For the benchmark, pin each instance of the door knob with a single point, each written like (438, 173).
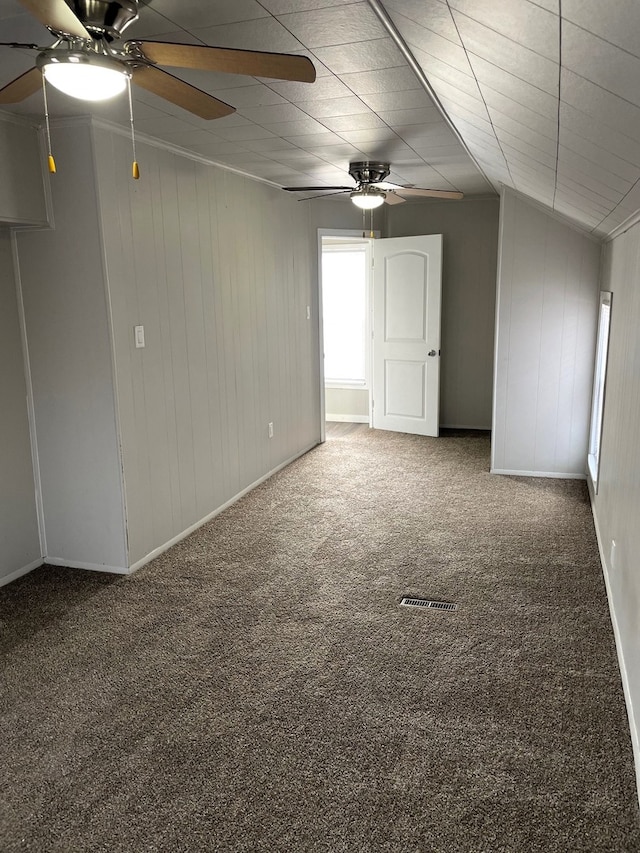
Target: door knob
(432, 353)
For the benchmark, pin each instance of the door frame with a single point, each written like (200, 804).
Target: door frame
(354, 236)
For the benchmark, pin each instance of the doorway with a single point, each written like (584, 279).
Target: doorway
(346, 328)
(380, 354)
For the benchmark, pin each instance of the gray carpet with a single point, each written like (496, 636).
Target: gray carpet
(258, 688)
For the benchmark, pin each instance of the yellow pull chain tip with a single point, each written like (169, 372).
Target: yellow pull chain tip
(52, 164)
(135, 171)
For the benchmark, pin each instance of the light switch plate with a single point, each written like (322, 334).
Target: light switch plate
(138, 332)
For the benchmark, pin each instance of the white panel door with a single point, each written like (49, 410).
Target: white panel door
(407, 283)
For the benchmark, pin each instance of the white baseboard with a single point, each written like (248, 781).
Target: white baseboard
(174, 541)
(466, 426)
(633, 728)
(348, 419)
(90, 567)
(18, 573)
(571, 475)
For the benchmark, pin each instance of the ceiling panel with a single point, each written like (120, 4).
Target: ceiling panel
(591, 175)
(601, 104)
(331, 107)
(618, 22)
(557, 119)
(511, 56)
(203, 13)
(382, 80)
(334, 25)
(514, 86)
(433, 15)
(603, 63)
(601, 134)
(599, 159)
(417, 37)
(361, 56)
(519, 20)
(262, 34)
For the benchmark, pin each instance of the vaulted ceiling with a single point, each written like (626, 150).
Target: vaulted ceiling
(543, 97)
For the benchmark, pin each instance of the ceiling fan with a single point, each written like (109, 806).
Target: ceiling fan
(371, 189)
(88, 61)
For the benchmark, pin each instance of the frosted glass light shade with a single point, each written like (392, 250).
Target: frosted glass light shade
(368, 199)
(85, 78)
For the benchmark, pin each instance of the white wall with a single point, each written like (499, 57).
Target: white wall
(347, 403)
(617, 504)
(69, 348)
(470, 245)
(545, 341)
(19, 539)
(217, 269)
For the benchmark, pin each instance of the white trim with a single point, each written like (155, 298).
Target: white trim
(20, 572)
(90, 567)
(355, 236)
(626, 689)
(31, 412)
(106, 287)
(174, 541)
(120, 130)
(624, 226)
(496, 328)
(346, 385)
(349, 419)
(16, 118)
(559, 475)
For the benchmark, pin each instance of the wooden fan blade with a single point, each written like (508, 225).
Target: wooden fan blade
(56, 16)
(314, 189)
(182, 94)
(392, 198)
(418, 191)
(280, 66)
(20, 88)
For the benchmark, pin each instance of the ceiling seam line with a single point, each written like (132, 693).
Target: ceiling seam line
(390, 27)
(466, 53)
(555, 183)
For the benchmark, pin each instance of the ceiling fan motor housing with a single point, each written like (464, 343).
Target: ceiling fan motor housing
(105, 18)
(366, 172)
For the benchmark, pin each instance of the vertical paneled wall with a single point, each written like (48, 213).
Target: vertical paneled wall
(70, 354)
(19, 539)
(217, 268)
(470, 246)
(545, 340)
(617, 504)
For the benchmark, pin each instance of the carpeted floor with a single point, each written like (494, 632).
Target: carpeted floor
(258, 688)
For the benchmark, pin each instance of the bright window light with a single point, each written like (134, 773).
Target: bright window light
(599, 379)
(344, 312)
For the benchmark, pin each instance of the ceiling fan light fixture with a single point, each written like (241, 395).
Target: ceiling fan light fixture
(368, 198)
(87, 76)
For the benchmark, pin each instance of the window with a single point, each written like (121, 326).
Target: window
(344, 314)
(599, 379)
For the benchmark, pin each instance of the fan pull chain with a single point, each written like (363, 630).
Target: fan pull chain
(371, 223)
(135, 170)
(51, 162)
(364, 223)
